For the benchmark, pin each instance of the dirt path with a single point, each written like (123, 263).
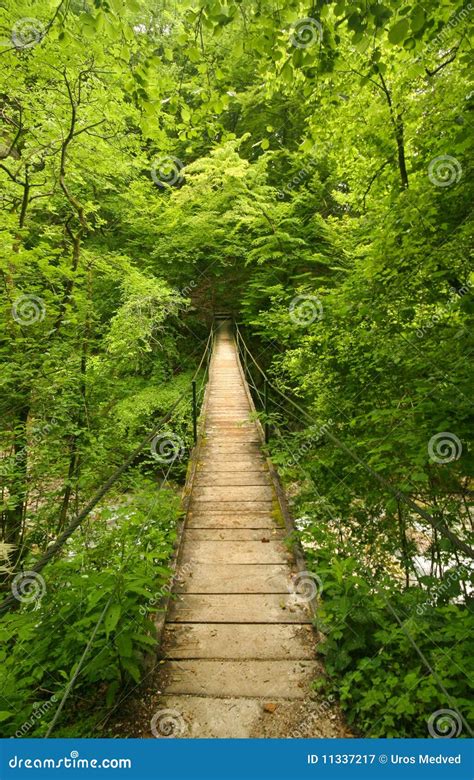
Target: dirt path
(239, 646)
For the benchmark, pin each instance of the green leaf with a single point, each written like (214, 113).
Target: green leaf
(112, 691)
(417, 18)
(111, 618)
(287, 73)
(94, 598)
(124, 645)
(5, 714)
(145, 639)
(132, 668)
(398, 32)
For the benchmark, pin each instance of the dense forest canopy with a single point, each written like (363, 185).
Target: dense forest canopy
(306, 168)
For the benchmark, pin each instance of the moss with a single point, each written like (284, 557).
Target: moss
(277, 513)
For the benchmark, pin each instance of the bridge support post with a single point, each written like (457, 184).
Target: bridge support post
(194, 411)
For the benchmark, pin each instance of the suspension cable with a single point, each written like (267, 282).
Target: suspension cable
(401, 496)
(70, 685)
(438, 525)
(78, 669)
(101, 492)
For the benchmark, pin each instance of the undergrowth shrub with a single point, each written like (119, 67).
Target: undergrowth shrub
(384, 687)
(118, 563)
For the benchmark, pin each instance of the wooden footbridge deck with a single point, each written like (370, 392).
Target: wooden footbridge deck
(237, 643)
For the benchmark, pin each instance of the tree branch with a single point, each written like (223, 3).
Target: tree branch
(443, 64)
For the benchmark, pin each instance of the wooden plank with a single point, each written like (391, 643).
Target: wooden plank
(233, 493)
(234, 578)
(205, 717)
(248, 477)
(231, 641)
(269, 551)
(198, 505)
(237, 608)
(235, 462)
(270, 679)
(226, 519)
(234, 534)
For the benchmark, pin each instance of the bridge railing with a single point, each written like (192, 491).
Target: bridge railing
(272, 394)
(267, 396)
(193, 397)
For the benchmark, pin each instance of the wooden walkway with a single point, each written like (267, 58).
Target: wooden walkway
(238, 644)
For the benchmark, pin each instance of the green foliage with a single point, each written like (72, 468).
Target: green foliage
(160, 163)
(119, 564)
(372, 667)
